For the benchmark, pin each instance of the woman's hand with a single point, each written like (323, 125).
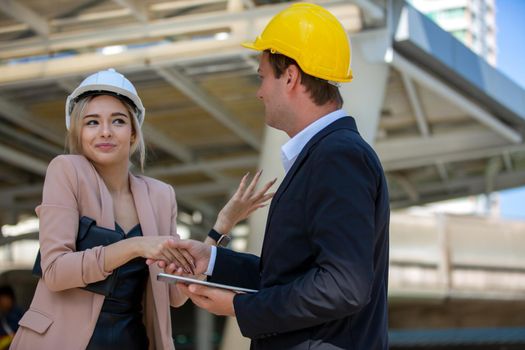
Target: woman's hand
(243, 202)
(160, 248)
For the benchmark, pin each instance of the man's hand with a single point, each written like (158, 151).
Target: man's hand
(200, 253)
(214, 300)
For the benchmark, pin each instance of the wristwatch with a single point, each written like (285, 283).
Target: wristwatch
(222, 240)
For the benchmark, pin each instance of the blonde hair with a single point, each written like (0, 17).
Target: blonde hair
(73, 136)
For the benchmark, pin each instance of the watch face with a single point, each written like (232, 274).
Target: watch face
(224, 241)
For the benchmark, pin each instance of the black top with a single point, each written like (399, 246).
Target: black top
(119, 324)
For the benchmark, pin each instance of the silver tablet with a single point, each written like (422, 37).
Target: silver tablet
(165, 277)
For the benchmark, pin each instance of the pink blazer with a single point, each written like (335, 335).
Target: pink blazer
(62, 316)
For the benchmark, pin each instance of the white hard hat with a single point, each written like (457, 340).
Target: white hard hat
(106, 81)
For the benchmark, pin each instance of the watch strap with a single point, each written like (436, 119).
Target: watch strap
(214, 235)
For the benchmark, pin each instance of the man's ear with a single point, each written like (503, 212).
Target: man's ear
(293, 76)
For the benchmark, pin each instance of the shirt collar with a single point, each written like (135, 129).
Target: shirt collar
(291, 149)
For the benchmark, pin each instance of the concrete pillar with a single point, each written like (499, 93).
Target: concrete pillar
(270, 162)
(204, 329)
(364, 96)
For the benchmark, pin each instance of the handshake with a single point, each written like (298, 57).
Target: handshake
(183, 257)
(192, 257)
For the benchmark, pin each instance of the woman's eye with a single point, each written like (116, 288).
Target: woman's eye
(91, 122)
(119, 121)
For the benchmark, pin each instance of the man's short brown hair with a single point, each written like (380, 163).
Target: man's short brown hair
(321, 91)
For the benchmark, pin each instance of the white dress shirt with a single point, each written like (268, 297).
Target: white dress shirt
(291, 149)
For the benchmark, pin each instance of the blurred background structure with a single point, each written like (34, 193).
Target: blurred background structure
(445, 121)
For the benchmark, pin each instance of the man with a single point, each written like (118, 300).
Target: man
(322, 275)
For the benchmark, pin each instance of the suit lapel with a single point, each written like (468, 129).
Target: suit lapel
(343, 123)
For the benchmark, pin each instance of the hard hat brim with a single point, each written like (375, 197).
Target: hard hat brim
(251, 45)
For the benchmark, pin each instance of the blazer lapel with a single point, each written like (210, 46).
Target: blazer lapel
(149, 227)
(143, 206)
(106, 217)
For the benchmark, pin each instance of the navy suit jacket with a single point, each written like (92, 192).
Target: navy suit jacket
(323, 270)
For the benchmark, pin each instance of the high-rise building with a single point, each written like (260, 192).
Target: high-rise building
(471, 21)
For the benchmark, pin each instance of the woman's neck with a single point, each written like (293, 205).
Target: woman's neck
(115, 177)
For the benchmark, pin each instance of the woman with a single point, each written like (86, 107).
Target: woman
(104, 117)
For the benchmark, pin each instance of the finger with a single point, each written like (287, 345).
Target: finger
(183, 288)
(242, 185)
(188, 261)
(165, 255)
(170, 268)
(176, 256)
(180, 244)
(200, 291)
(188, 258)
(264, 199)
(200, 301)
(265, 189)
(251, 187)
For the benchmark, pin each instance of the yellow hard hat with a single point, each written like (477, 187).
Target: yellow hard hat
(313, 37)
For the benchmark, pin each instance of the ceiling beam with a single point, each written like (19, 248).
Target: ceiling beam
(228, 163)
(181, 4)
(68, 84)
(138, 8)
(442, 171)
(492, 169)
(473, 185)
(25, 15)
(25, 190)
(179, 151)
(507, 161)
(400, 153)
(459, 156)
(30, 140)
(434, 84)
(19, 116)
(204, 189)
(406, 185)
(415, 103)
(177, 53)
(255, 19)
(209, 104)
(167, 144)
(22, 160)
(27, 74)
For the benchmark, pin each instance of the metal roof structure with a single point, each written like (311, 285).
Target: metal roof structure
(450, 125)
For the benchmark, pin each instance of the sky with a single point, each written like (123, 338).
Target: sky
(510, 22)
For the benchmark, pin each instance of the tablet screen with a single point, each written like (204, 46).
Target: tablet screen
(165, 277)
